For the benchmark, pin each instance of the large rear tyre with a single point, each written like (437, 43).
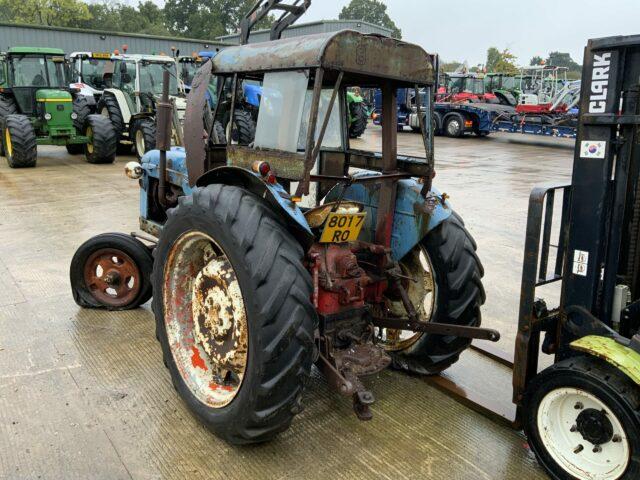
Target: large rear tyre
(20, 143)
(111, 271)
(108, 107)
(144, 136)
(232, 302)
(449, 290)
(103, 140)
(582, 420)
(243, 130)
(358, 114)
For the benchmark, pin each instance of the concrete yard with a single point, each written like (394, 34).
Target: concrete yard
(84, 393)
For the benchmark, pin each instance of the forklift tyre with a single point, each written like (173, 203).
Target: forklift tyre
(454, 125)
(457, 275)
(7, 107)
(143, 135)
(108, 107)
(82, 109)
(112, 271)
(74, 148)
(19, 141)
(103, 140)
(218, 225)
(582, 415)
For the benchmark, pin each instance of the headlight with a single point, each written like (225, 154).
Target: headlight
(74, 115)
(47, 116)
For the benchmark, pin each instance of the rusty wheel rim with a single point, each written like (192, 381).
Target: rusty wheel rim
(112, 277)
(423, 293)
(205, 319)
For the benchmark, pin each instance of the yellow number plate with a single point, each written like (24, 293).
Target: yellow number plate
(100, 55)
(342, 227)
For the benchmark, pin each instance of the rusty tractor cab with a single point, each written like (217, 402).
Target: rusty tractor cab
(296, 249)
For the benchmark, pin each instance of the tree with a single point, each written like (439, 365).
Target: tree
(560, 59)
(61, 13)
(501, 61)
(537, 60)
(372, 11)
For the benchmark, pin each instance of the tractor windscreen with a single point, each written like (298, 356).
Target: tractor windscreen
(92, 71)
(151, 77)
(188, 69)
(39, 71)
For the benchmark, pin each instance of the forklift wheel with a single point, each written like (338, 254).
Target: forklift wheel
(111, 271)
(582, 420)
(233, 312)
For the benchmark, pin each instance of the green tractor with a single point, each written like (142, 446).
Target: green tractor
(37, 107)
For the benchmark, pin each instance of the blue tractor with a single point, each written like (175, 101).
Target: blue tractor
(273, 256)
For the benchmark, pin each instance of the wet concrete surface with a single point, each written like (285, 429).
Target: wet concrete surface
(84, 393)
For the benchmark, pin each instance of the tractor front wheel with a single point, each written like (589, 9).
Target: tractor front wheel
(243, 129)
(19, 141)
(234, 317)
(582, 420)
(358, 117)
(111, 271)
(447, 289)
(144, 136)
(103, 140)
(82, 109)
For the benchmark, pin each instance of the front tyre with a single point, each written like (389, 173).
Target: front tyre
(144, 136)
(102, 140)
(448, 290)
(233, 313)
(20, 142)
(582, 420)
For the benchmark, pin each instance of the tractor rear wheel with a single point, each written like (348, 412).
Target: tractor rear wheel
(143, 134)
(234, 316)
(243, 130)
(82, 109)
(111, 271)
(582, 420)
(358, 114)
(19, 139)
(449, 290)
(103, 140)
(108, 107)
(7, 107)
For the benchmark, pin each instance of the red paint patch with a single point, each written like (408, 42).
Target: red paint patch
(196, 359)
(214, 386)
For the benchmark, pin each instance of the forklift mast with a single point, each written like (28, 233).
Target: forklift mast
(290, 13)
(604, 221)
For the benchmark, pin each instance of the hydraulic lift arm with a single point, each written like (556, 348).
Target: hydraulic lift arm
(290, 13)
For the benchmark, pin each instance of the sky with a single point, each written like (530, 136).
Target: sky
(464, 29)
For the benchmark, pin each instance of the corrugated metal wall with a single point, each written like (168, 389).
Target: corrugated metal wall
(71, 40)
(323, 26)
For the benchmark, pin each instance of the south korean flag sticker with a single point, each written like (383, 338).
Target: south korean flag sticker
(592, 149)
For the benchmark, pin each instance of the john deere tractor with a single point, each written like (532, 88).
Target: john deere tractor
(37, 107)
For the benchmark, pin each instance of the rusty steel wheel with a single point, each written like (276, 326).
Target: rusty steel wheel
(233, 312)
(112, 271)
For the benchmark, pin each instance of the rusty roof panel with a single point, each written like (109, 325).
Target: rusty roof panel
(369, 55)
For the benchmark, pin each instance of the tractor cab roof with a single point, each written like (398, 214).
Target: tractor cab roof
(35, 51)
(140, 57)
(364, 59)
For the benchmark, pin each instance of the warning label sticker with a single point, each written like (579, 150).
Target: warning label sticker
(580, 262)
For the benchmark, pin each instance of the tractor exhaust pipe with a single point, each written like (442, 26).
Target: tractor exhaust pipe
(163, 138)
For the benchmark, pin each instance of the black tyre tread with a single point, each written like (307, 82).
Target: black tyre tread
(596, 370)
(23, 141)
(115, 115)
(280, 303)
(82, 109)
(105, 140)
(148, 127)
(460, 293)
(219, 129)
(134, 248)
(246, 126)
(7, 107)
(359, 124)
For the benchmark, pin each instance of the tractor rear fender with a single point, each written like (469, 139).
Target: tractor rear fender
(275, 195)
(415, 215)
(608, 349)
